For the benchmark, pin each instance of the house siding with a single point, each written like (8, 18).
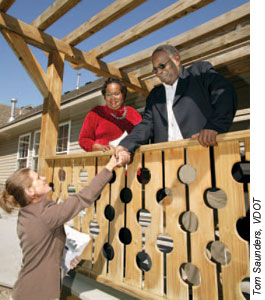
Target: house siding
(8, 149)
(75, 131)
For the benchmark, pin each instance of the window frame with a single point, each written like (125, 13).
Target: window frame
(28, 156)
(68, 138)
(34, 156)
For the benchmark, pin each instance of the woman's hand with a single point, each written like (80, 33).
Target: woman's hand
(104, 148)
(125, 153)
(117, 162)
(74, 262)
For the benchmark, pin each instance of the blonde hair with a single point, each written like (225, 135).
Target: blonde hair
(13, 195)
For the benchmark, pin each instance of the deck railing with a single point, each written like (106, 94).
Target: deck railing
(165, 227)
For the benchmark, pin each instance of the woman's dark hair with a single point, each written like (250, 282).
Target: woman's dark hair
(14, 193)
(119, 82)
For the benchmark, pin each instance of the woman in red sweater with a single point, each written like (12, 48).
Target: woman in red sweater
(105, 125)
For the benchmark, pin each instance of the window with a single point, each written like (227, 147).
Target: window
(23, 151)
(62, 143)
(35, 154)
(63, 138)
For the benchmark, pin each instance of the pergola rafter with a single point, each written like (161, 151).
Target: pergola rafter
(53, 13)
(6, 4)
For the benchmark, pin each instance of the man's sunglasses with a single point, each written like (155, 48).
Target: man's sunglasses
(160, 66)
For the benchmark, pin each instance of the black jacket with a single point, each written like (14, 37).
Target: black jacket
(204, 99)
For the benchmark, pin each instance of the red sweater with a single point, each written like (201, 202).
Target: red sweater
(100, 127)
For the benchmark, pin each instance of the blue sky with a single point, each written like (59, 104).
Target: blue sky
(15, 82)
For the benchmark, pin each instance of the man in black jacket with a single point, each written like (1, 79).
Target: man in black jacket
(193, 102)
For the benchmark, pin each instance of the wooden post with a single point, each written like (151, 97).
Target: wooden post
(51, 110)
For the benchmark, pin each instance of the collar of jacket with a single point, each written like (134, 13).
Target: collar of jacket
(182, 85)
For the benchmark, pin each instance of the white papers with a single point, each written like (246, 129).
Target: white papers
(118, 140)
(74, 246)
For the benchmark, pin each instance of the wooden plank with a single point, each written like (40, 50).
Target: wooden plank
(227, 40)
(226, 155)
(108, 15)
(229, 136)
(28, 60)
(198, 157)
(51, 109)
(116, 265)
(121, 286)
(197, 52)
(176, 288)
(197, 34)
(218, 60)
(90, 166)
(54, 12)
(166, 16)
(133, 275)
(39, 39)
(153, 279)
(100, 262)
(6, 4)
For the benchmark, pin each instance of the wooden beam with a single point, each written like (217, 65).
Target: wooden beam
(219, 43)
(215, 26)
(111, 13)
(44, 41)
(218, 61)
(51, 110)
(6, 4)
(160, 19)
(28, 60)
(53, 13)
(194, 53)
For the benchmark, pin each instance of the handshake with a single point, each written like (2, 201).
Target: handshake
(120, 158)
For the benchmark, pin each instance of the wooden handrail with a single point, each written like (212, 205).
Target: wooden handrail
(237, 135)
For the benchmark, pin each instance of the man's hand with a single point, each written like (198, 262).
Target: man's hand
(126, 154)
(117, 162)
(206, 137)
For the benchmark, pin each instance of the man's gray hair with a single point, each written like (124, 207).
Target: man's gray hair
(169, 49)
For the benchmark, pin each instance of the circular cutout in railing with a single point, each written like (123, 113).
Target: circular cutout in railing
(71, 189)
(165, 243)
(94, 228)
(51, 185)
(187, 174)
(143, 175)
(190, 274)
(143, 261)
(241, 172)
(61, 175)
(126, 195)
(108, 251)
(218, 253)
(109, 213)
(189, 221)
(245, 288)
(243, 227)
(125, 236)
(83, 175)
(113, 178)
(144, 217)
(164, 196)
(215, 198)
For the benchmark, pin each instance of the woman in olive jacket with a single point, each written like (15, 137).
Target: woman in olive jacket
(40, 228)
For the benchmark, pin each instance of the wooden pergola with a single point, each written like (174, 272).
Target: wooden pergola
(224, 41)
